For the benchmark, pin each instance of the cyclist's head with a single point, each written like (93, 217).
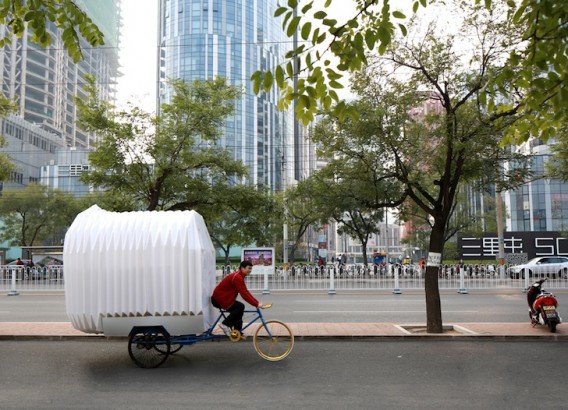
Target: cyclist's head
(244, 264)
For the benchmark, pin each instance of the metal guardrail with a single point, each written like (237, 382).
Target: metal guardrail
(14, 278)
(332, 278)
(328, 278)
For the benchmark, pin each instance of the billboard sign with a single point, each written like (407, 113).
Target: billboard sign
(262, 259)
(532, 243)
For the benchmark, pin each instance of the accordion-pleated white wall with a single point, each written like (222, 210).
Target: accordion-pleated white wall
(138, 264)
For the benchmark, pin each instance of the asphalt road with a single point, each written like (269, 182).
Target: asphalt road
(323, 374)
(314, 307)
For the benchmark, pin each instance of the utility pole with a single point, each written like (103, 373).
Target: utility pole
(285, 231)
(284, 173)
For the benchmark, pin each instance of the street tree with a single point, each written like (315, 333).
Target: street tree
(419, 102)
(36, 215)
(464, 219)
(170, 161)
(351, 189)
(557, 167)
(300, 216)
(330, 50)
(242, 216)
(17, 16)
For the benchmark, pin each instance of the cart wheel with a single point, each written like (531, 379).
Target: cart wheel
(174, 348)
(149, 348)
(274, 341)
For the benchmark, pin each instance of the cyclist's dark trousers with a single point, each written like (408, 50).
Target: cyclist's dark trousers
(235, 318)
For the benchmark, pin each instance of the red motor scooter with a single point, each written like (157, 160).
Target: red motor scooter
(542, 306)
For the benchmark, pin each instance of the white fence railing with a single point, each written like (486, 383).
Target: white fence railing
(333, 278)
(329, 278)
(14, 278)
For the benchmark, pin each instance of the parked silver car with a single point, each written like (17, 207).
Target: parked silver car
(550, 266)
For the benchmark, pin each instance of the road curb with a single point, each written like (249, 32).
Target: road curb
(422, 337)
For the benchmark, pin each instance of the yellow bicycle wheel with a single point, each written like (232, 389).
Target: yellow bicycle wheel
(274, 341)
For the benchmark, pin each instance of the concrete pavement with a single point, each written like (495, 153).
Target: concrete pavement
(523, 330)
(456, 331)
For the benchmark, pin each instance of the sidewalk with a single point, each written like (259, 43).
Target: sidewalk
(455, 331)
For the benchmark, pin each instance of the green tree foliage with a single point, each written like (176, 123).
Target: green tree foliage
(557, 167)
(242, 216)
(418, 110)
(299, 216)
(352, 189)
(74, 23)
(36, 215)
(539, 66)
(165, 162)
(329, 50)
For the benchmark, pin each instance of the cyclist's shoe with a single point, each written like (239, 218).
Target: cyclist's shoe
(243, 337)
(226, 329)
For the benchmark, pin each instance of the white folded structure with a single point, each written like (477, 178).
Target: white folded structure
(135, 268)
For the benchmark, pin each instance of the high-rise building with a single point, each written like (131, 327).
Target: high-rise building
(542, 204)
(202, 39)
(43, 82)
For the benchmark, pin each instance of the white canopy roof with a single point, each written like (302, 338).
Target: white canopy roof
(137, 264)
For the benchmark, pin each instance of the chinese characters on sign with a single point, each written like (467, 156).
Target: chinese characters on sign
(532, 243)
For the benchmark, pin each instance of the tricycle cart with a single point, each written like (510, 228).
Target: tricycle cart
(149, 276)
(150, 346)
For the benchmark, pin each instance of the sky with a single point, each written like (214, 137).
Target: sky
(138, 53)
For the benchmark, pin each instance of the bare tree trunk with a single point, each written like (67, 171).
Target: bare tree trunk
(433, 303)
(227, 259)
(365, 257)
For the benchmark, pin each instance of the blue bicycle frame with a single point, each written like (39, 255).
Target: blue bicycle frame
(209, 335)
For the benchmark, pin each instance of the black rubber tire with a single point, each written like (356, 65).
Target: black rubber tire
(174, 348)
(143, 350)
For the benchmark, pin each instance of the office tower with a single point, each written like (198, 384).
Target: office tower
(202, 39)
(44, 82)
(541, 204)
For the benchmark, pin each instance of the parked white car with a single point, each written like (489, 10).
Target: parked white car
(550, 266)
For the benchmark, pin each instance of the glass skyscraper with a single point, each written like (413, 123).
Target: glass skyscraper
(202, 39)
(44, 81)
(540, 205)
